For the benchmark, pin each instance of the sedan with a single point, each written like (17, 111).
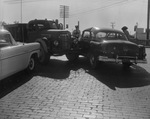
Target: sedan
(110, 45)
(15, 56)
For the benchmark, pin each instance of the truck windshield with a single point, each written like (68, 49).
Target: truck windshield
(46, 25)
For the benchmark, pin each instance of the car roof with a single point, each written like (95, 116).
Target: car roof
(97, 29)
(92, 29)
(4, 31)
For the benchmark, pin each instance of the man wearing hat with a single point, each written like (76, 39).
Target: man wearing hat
(76, 33)
(124, 29)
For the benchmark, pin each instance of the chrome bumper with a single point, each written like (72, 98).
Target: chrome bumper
(119, 60)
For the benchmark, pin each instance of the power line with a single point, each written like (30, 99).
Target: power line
(102, 2)
(24, 1)
(109, 2)
(95, 3)
(102, 8)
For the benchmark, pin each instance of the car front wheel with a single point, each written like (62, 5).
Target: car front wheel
(31, 65)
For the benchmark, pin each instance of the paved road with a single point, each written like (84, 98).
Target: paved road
(62, 90)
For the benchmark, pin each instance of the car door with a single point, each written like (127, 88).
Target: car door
(14, 59)
(85, 41)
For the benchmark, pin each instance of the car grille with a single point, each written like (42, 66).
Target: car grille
(65, 41)
(60, 43)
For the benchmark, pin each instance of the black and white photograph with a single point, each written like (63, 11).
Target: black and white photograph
(74, 59)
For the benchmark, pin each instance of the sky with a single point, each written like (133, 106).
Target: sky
(100, 13)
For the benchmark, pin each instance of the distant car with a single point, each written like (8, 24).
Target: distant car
(110, 45)
(15, 56)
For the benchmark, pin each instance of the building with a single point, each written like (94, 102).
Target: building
(141, 36)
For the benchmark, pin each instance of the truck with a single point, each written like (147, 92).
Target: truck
(53, 39)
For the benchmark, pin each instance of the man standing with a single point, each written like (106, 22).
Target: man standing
(76, 33)
(124, 29)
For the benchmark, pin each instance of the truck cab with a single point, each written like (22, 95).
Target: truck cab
(35, 27)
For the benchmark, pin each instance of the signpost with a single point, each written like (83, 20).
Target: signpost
(64, 13)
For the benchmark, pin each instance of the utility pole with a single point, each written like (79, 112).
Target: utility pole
(21, 11)
(112, 25)
(148, 14)
(22, 30)
(79, 24)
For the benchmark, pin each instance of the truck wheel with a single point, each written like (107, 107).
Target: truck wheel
(93, 61)
(44, 56)
(72, 56)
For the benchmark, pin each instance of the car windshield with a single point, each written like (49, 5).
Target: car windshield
(110, 36)
(5, 38)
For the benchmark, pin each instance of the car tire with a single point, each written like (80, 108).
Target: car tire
(93, 61)
(31, 65)
(44, 56)
(72, 57)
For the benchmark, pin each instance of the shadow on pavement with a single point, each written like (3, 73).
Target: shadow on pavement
(115, 75)
(112, 75)
(60, 70)
(56, 69)
(11, 83)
